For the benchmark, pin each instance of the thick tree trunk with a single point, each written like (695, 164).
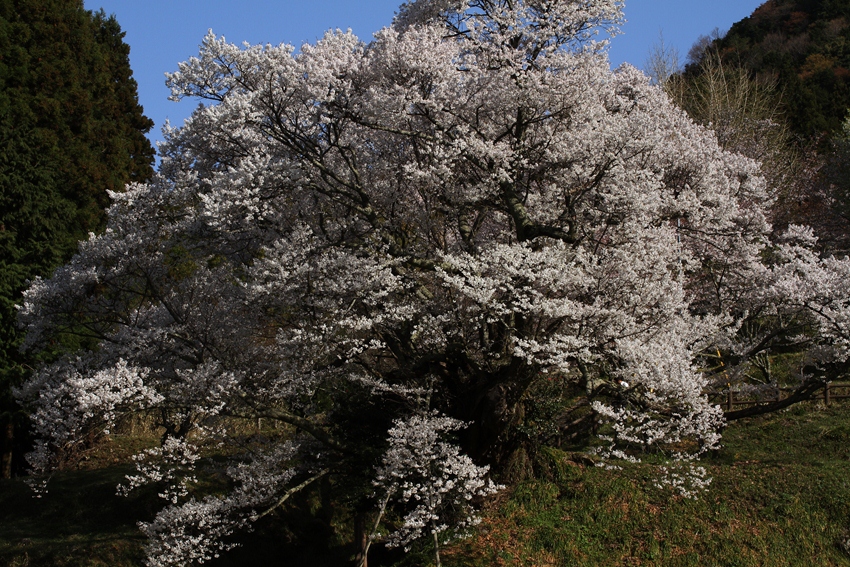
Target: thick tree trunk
(326, 511)
(495, 408)
(492, 412)
(487, 414)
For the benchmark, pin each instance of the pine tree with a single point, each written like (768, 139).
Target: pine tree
(71, 128)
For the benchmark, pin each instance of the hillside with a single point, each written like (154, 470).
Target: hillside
(805, 44)
(779, 497)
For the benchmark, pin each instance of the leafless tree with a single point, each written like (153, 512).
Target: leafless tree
(662, 62)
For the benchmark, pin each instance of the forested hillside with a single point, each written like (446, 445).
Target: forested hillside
(776, 88)
(805, 44)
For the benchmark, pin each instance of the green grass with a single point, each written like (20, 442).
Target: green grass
(780, 497)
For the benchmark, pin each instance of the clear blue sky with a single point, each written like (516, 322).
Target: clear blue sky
(162, 33)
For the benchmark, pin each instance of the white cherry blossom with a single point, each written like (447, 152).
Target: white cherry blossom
(372, 243)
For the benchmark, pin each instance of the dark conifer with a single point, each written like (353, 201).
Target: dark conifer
(71, 128)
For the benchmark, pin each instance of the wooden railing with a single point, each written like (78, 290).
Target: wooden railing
(831, 391)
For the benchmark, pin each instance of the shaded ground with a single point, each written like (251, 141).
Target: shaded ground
(780, 497)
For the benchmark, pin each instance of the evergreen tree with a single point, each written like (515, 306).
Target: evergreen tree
(71, 128)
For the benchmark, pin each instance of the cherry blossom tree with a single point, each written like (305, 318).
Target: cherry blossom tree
(385, 247)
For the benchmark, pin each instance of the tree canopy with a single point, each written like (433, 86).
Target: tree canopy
(71, 129)
(395, 250)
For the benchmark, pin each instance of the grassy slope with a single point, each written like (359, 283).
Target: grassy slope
(780, 497)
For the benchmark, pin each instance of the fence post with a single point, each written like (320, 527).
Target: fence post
(826, 394)
(729, 399)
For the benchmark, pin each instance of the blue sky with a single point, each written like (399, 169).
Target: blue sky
(162, 33)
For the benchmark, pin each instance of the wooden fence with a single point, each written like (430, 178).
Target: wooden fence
(831, 391)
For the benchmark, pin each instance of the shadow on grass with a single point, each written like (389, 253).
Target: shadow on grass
(780, 498)
(80, 521)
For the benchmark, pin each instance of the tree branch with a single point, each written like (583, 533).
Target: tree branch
(293, 490)
(801, 394)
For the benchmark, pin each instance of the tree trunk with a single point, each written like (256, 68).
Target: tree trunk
(492, 412)
(361, 537)
(7, 445)
(326, 511)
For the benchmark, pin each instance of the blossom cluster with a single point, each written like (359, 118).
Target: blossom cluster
(430, 477)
